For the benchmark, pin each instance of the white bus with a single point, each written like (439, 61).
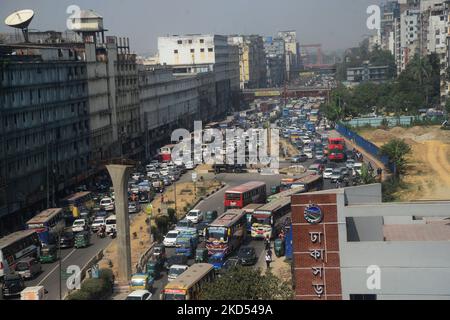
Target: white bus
(15, 246)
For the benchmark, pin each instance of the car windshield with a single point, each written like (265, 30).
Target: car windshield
(22, 266)
(233, 196)
(336, 171)
(171, 235)
(193, 214)
(12, 282)
(78, 223)
(111, 221)
(137, 282)
(184, 224)
(133, 298)
(98, 221)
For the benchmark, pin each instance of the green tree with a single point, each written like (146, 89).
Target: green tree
(366, 175)
(396, 150)
(247, 284)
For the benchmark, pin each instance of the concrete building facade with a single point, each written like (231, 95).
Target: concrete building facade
(349, 245)
(291, 51)
(194, 54)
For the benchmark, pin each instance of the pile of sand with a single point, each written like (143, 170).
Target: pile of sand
(380, 136)
(397, 131)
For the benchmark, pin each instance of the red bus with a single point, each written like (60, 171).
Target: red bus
(165, 153)
(336, 149)
(240, 196)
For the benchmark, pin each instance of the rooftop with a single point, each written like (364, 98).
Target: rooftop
(430, 231)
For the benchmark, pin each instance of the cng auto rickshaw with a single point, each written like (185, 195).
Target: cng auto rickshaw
(154, 268)
(279, 247)
(82, 239)
(201, 255)
(49, 254)
(141, 281)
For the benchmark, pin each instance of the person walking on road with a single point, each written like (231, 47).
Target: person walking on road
(268, 259)
(267, 243)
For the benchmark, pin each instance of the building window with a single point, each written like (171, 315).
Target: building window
(202, 41)
(175, 51)
(190, 41)
(179, 42)
(210, 49)
(202, 50)
(192, 50)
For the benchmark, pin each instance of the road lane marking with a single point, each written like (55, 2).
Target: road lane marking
(56, 267)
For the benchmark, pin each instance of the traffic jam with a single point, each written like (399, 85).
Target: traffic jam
(203, 244)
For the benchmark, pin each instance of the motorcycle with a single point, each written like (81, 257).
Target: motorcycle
(101, 233)
(113, 233)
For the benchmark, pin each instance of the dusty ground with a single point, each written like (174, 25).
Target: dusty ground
(140, 235)
(290, 149)
(428, 174)
(281, 268)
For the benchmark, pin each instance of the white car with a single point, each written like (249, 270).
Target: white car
(139, 295)
(189, 165)
(98, 223)
(327, 173)
(107, 204)
(171, 238)
(175, 271)
(135, 176)
(350, 163)
(195, 216)
(110, 223)
(79, 225)
(309, 154)
(357, 167)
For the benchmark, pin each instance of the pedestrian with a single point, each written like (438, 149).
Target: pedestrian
(267, 243)
(268, 259)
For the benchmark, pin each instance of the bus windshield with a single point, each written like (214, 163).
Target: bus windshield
(219, 233)
(233, 196)
(174, 296)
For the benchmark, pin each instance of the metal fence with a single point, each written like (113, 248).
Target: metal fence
(365, 145)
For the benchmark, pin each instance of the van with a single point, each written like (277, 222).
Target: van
(110, 223)
(107, 204)
(28, 268)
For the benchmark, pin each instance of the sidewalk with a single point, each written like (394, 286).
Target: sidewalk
(367, 156)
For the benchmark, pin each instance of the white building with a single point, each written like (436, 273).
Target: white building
(194, 54)
(291, 50)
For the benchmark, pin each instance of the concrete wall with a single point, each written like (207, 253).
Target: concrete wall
(409, 270)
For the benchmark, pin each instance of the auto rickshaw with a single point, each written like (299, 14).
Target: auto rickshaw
(279, 247)
(201, 255)
(82, 239)
(49, 254)
(159, 252)
(154, 268)
(141, 281)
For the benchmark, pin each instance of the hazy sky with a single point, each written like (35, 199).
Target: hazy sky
(337, 24)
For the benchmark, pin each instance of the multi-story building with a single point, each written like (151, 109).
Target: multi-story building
(390, 11)
(368, 73)
(167, 102)
(193, 54)
(275, 61)
(252, 60)
(291, 51)
(45, 126)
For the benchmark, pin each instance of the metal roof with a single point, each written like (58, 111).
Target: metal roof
(13, 237)
(190, 276)
(228, 218)
(44, 216)
(246, 186)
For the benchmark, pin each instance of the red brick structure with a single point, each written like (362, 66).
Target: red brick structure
(316, 260)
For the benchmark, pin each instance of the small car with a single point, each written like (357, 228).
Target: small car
(328, 173)
(175, 270)
(67, 240)
(13, 285)
(134, 207)
(139, 295)
(79, 225)
(171, 238)
(98, 223)
(247, 256)
(28, 268)
(195, 216)
(179, 259)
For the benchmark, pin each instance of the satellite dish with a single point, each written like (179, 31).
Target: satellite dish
(20, 20)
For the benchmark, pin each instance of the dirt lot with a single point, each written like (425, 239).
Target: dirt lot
(428, 174)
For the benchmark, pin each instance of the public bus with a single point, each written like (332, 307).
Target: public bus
(240, 196)
(336, 149)
(312, 182)
(165, 153)
(189, 284)
(47, 222)
(286, 183)
(227, 232)
(286, 193)
(73, 204)
(248, 210)
(15, 246)
(266, 218)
